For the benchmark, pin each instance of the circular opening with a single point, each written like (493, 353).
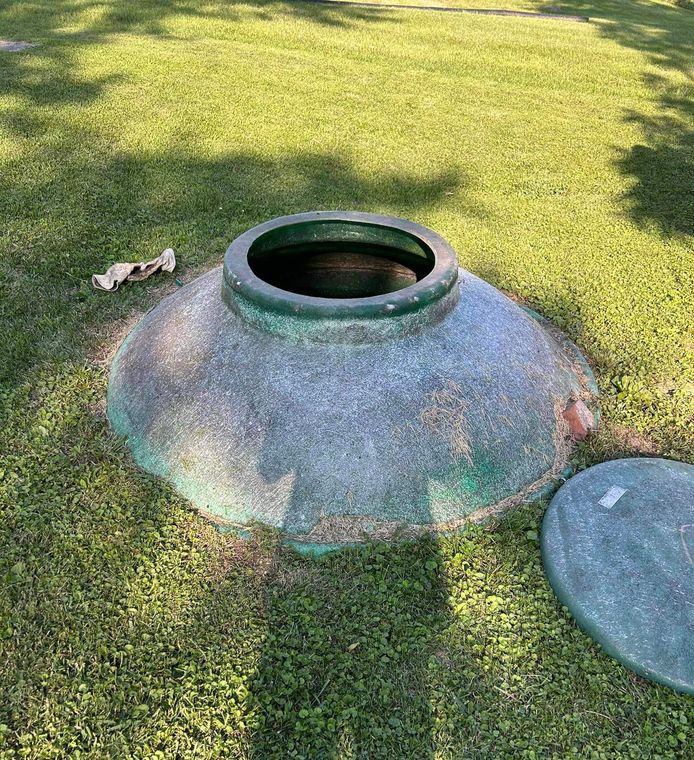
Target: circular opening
(339, 259)
(338, 265)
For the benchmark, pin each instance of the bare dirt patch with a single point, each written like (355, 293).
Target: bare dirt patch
(15, 46)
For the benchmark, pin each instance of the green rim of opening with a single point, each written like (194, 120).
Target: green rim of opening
(341, 226)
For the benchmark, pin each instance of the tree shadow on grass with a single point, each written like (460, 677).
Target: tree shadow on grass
(81, 214)
(663, 168)
(347, 662)
(152, 17)
(85, 209)
(662, 192)
(131, 628)
(150, 624)
(49, 74)
(112, 533)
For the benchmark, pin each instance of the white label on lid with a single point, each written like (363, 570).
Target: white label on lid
(612, 496)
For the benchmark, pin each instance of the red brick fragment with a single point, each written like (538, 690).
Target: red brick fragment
(580, 419)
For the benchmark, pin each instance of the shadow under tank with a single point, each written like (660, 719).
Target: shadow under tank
(341, 379)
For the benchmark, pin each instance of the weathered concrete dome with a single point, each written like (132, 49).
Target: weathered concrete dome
(340, 378)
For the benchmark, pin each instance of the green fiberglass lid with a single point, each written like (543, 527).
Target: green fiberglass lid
(618, 549)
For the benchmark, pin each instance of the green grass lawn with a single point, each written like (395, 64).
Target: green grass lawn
(557, 158)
